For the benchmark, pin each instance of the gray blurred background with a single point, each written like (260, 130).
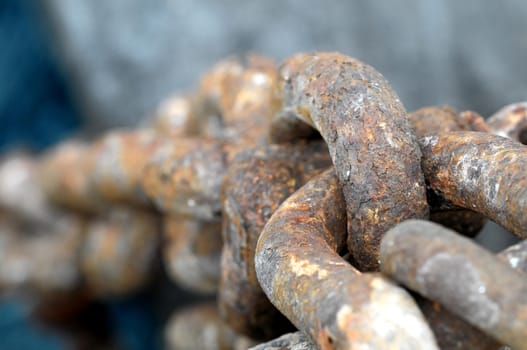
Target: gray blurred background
(70, 66)
(123, 56)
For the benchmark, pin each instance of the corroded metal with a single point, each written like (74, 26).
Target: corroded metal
(200, 327)
(20, 193)
(452, 333)
(429, 121)
(299, 269)
(185, 177)
(191, 253)
(117, 161)
(289, 341)
(242, 91)
(186, 115)
(119, 251)
(375, 153)
(40, 259)
(481, 172)
(468, 280)
(65, 177)
(510, 121)
(258, 181)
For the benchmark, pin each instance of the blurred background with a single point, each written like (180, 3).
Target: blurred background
(81, 66)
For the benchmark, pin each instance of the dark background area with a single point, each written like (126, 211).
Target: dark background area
(80, 66)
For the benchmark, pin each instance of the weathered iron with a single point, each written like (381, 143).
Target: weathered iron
(200, 327)
(119, 250)
(481, 172)
(370, 140)
(289, 341)
(191, 252)
(430, 121)
(184, 177)
(300, 270)
(65, 178)
(257, 182)
(465, 278)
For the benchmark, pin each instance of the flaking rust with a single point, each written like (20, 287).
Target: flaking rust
(300, 270)
(465, 278)
(481, 172)
(175, 117)
(258, 181)
(374, 150)
(430, 121)
(191, 253)
(510, 121)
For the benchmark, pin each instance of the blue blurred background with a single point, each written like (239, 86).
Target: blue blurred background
(80, 66)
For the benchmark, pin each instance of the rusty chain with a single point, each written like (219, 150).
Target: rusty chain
(312, 185)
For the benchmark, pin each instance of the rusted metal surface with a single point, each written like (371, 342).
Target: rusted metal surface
(186, 115)
(185, 177)
(481, 172)
(200, 327)
(429, 121)
(191, 252)
(242, 90)
(434, 120)
(299, 269)
(117, 163)
(40, 259)
(375, 153)
(510, 121)
(258, 181)
(290, 341)
(118, 253)
(175, 117)
(65, 177)
(465, 278)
